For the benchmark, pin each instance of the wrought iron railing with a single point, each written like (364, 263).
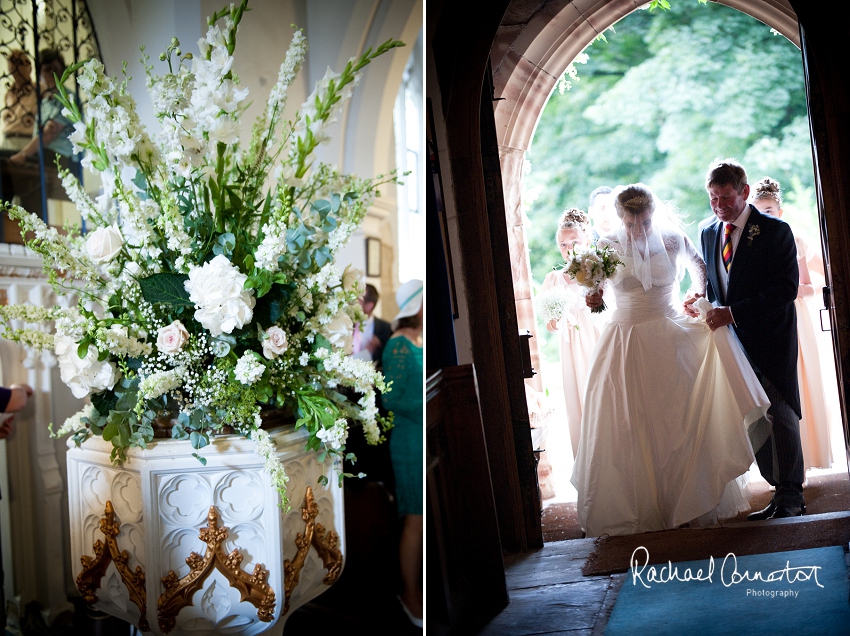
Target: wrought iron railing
(33, 34)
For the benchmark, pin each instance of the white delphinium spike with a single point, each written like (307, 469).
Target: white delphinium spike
(289, 69)
(87, 208)
(54, 247)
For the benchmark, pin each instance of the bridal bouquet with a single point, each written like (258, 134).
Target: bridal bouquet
(555, 303)
(591, 267)
(205, 292)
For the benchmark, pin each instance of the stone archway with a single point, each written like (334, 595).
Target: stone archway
(533, 46)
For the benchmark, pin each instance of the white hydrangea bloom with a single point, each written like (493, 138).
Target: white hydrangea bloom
(217, 289)
(83, 376)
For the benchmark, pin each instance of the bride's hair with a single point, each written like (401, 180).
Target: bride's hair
(572, 219)
(768, 188)
(633, 199)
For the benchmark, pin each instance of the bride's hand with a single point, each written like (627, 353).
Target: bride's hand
(552, 325)
(688, 307)
(594, 300)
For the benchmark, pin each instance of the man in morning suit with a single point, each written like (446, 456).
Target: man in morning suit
(751, 263)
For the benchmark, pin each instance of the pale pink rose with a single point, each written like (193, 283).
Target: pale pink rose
(274, 343)
(170, 339)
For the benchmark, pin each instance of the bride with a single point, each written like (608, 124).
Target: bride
(668, 401)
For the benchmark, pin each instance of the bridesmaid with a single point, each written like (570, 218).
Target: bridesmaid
(578, 330)
(814, 427)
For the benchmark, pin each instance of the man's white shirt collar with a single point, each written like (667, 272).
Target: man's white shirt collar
(741, 221)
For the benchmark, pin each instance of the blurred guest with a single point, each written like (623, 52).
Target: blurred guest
(12, 400)
(402, 360)
(55, 130)
(603, 216)
(371, 336)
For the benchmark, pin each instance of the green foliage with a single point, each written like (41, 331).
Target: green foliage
(662, 97)
(166, 288)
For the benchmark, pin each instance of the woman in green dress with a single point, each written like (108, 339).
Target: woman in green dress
(402, 364)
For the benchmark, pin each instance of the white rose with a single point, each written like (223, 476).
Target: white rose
(83, 376)
(222, 304)
(170, 339)
(351, 277)
(274, 343)
(104, 244)
(132, 268)
(340, 332)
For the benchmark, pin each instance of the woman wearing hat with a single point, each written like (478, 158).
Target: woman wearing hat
(402, 363)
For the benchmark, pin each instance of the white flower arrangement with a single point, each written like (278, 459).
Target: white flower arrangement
(591, 267)
(206, 284)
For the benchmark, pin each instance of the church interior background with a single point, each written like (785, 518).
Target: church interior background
(380, 130)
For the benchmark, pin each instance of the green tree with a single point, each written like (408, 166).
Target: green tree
(660, 97)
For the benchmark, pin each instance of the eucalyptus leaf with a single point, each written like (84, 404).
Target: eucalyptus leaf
(110, 431)
(199, 440)
(321, 256)
(322, 207)
(141, 183)
(178, 432)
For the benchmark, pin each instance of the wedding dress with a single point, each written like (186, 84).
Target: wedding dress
(667, 405)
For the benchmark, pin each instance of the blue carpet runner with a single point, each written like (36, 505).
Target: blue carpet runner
(798, 593)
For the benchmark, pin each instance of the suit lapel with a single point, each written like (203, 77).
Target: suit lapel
(744, 252)
(713, 245)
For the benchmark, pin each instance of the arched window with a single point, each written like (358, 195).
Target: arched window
(410, 156)
(38, 39)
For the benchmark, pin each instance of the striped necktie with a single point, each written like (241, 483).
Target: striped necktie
(727, 246)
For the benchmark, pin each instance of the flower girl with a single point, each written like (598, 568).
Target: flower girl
(563, 307)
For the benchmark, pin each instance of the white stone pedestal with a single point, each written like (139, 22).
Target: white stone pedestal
(134, 528)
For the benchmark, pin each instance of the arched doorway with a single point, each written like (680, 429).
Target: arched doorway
(527, 60)
(531, 50)
(457, 59)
